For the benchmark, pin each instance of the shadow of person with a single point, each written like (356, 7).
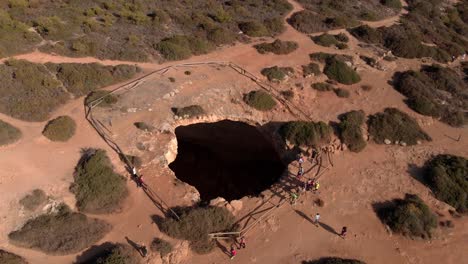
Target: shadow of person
(223, 248)
(328, 228)
(304, 216)
(134, 245)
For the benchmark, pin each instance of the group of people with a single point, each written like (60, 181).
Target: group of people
(309, 184)
(233, 250)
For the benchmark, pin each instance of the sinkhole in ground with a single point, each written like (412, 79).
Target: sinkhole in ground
(225, 159)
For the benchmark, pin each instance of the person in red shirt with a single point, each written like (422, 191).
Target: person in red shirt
(233, 252)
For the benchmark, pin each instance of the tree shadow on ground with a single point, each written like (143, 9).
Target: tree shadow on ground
(94, 252)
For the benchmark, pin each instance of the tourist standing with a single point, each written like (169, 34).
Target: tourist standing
(242, 242)
(233, 252)
(317, 219)
(344, 230)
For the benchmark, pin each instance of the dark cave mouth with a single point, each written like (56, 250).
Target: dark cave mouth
(226, 159)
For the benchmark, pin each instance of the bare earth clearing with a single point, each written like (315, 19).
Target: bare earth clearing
(376, 174)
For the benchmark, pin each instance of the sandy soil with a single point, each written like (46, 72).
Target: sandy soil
(355, 182)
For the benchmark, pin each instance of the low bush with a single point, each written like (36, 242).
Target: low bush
(302, 133)
(342, 93)
(221, 36)
(276, 73)
(333, 260)
(108, 99)
(341, 46)
(97, 188)
(196, 223)
(308, 22)
(61, 128)
(328, 40)
(277, 47)
(366, 87)
(117, 254)
(181, 47)
(260, 100)
(10, 258)
(337, 70)
(161, 246)
(368, 60)
(80, 79)
(446, 176)
(350, 130)
(435, 91)
(288, 94)
(395, 125)
(392, 3)
(28, 91)
(342, 37)
(144, 126)
(254, 29)
(409, 216)
(33, 200)
(8, 133)
(323, 87)
(188, 111)
(16, 36)
(311, 69)
(61, 233)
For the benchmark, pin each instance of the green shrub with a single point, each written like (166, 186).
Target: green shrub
(350, 130)
(254, 29)
(368, 60)
(61, 128)
(260, 100)
(8, 133)
(274, 25)
(392, 3)
(188, 111)
(80, 79)
(33, 200)
(446, 176)
(28, 91)
(288, 94)
(367, 34)
(117, 254)
(97, 188)
(221, 36)
(182, 47)
(161, 246)
(410, 217)
(325, 40)
(311, 69)
(341, 46)
(337, 70)
(342, 93)
(108, 99)
(306, 133)
(333, 260)
(276, 73)
(323, 87)
(10, 258)
(395, 125)
(144, 126)
(16, 37)
(61, 233)
(196, 223)
(342, 37)
(278, 47)
(52, 28)
(307, 22)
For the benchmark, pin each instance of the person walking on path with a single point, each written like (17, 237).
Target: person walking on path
(242, 242)
(233, 252)
(344, 230)
(294, 197)
(317, 219)
(316, 186)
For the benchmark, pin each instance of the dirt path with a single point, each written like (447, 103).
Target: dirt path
(378, 173)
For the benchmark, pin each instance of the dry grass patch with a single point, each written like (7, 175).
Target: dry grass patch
(61, 233)
(61, 128)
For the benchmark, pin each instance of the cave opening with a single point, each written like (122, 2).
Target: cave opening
(226, 159)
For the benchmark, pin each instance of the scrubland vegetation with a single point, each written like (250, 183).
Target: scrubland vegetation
(196, 223)
(333, 260)
(277, 47)
(311, 69)
(97, 188)
(394, 125)
(322, 87)
(336, 69)
(32, 91)
(161, 246)
(8, 133)
(260, 100)
(306, 133)
(61, 128)
(135, 31)
(409, 216)
(116, 254)
(10, 258)
(60, 233)
(446, 176)
(33, 200)
(275, 73)
(188, 111)
(350, 130)
(328, 40)
(436, 91)
(108, 99)
(430, 22)
(327, 15)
